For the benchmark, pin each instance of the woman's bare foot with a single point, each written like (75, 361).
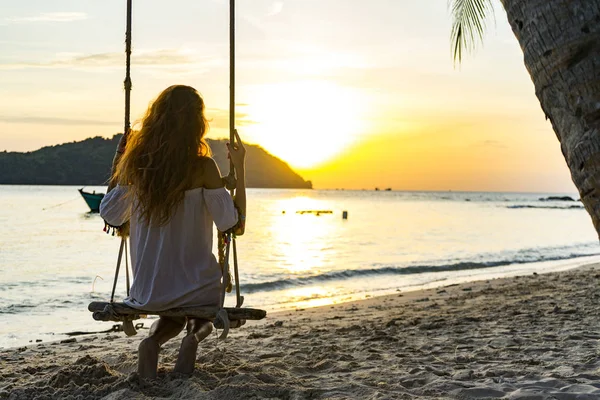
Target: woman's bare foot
(186, 360)
(148, 358)
(161, 331)
(197, 330)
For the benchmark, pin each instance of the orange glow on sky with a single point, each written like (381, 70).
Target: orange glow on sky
(350, 94)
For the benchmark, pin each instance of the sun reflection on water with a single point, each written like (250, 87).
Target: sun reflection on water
(305, 242)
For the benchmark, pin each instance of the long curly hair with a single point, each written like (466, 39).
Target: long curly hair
(160, 157)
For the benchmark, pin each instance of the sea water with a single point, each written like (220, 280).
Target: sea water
(55, 258)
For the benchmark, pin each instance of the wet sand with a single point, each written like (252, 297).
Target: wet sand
(529, 338)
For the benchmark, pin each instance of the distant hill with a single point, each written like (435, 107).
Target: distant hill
(88, 163)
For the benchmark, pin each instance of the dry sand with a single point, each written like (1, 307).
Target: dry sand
(532, 337)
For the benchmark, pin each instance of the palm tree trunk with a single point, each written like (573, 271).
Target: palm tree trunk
(561, 44)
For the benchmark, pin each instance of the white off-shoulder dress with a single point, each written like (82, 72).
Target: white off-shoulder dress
(173, 265)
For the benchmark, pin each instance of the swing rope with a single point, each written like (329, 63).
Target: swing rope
(239, 298)
(119, 258)
(127, 82)
(127, 320)
(127, 268)
(127, 126)
(228, 238)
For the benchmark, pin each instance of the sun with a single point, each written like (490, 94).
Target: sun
(305, 123)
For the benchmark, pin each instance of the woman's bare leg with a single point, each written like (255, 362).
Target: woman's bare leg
(161, 331)
(197, 330)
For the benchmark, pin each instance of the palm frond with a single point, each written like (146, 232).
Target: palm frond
(469, 19)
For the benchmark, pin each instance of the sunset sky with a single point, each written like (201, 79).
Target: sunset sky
(351, 93)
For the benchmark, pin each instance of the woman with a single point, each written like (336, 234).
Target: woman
(171, 191)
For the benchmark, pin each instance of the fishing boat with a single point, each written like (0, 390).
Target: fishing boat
(92, 199)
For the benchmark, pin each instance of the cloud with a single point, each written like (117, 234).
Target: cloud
(164, 58)
(53, 121)
(49, 17)
(157, 57)
(219, 118)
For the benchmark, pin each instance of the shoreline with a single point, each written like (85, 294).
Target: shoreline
(442, 279)
(430, 282)
(525, 337)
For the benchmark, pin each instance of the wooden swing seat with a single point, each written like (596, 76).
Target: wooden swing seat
(120, 310)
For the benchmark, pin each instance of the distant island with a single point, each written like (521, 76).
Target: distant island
(88, 163)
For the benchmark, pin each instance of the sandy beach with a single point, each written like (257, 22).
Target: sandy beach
(531, 337)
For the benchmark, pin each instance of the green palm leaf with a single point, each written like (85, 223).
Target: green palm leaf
(468, 24)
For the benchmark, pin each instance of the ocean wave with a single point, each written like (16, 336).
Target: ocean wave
(16, 308)
(557, 198)
(520, 257)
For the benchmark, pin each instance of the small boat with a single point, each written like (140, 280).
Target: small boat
(92, 199)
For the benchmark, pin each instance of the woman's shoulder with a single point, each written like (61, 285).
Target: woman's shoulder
(206, 174)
